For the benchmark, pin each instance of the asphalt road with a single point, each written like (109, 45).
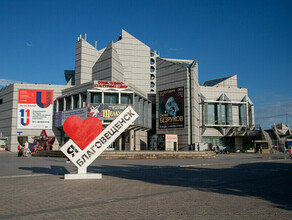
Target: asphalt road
(234, 186)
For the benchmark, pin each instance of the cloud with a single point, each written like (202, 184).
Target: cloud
(277, 112)
(175, 49)
(28, 44)
(6, 82)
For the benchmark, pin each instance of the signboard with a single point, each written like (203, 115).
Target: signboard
(105, 111)
(171, 142)
(83, 156)
(171, 108)
(35, 109)
(110, 84)
(60, 117)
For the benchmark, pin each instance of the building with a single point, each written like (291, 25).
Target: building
(164, 92)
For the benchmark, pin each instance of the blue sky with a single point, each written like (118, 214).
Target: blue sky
(250, 38)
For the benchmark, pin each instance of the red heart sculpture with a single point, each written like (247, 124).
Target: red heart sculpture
(82, 132)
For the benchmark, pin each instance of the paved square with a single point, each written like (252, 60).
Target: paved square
(235, 186)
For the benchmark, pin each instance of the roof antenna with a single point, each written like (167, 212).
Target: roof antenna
(95, 44)
(85, 35)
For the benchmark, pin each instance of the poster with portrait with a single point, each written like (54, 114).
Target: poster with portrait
(171, 108)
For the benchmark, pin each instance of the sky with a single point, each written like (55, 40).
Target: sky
(249, 38)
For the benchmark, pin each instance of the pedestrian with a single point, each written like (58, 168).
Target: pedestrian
(198, 147)
(290, 152)
(261, 149)
(26, 149)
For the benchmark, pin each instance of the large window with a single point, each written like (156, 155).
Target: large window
(224, 114)
(95, 97)
(60, 105)
(112, 98)
(126, 98)
(83, 100)
(242, 115)
(75, 101)
(211, 114)
(68, 103)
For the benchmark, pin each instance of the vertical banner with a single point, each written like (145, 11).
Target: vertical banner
(35, 109)
(171, 108)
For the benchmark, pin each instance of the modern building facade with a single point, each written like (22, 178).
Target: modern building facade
(164, 92)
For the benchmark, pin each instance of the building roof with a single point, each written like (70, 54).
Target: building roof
(181, 62)
(214, 82)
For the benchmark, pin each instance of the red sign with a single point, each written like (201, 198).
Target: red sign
(110, 84)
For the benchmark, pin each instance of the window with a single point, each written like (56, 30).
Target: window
(126, 98)
(152, 61)
(75, 101)
(95, 97)
(152, 69)
(60, 105)
(152, 77)
(152, 84)
(111, 98)
(83, 100)
(1, 101)
(211, 114)
(68, 103)
(242, 116)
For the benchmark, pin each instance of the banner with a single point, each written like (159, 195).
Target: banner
(35, 109)
(105, 111)
(171, 108)
(60, 117)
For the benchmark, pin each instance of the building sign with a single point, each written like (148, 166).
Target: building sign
(60, 117)
(88, 149)
(35, 109)
(105, 111)
(171, 142)
(110, 84)
(171, 108)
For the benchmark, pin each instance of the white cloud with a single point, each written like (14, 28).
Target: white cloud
(6, 82)
(28, 44)
(277, 112)
(175, 49)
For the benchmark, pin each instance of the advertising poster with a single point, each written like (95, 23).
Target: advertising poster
(171, 108)
(171, 142)
(60, 117)
(35, 109)
(105, 111)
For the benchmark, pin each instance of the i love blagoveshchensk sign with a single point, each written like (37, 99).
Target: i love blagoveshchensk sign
(88, 140)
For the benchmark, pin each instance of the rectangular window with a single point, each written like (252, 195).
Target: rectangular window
(111, 98)
(95, 97)
(60, 105)
(211, 114)
(83, 100)
(68, 103)
(1, 101)
(75, 101)
(242, 115)
(126, 98)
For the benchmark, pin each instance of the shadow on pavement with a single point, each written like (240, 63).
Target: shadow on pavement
(268, 181)
(55, 170)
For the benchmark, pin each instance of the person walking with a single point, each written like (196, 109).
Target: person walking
(198, 147)
(26, 149)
